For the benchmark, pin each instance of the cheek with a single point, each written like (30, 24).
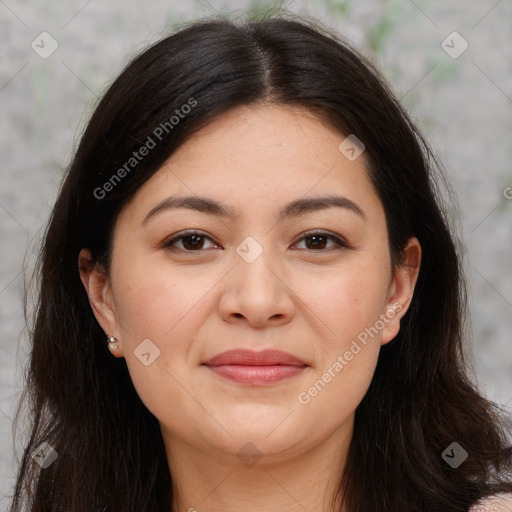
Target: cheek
(347, 301)
(350, 305)
(152, 301)
(162, 306)
(336, 391)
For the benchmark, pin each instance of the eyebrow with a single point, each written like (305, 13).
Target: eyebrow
(292, 209)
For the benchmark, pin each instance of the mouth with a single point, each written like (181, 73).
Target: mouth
(256, 368)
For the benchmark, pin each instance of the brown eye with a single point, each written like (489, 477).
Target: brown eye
(317, 241)
(190, 242)
(193, 242)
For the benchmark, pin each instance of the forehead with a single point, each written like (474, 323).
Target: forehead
(261, 157)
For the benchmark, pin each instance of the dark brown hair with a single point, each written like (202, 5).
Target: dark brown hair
(111, 455)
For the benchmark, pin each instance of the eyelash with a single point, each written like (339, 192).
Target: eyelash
(340, 242)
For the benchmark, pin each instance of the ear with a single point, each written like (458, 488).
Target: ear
(401, 290)
(97, 285)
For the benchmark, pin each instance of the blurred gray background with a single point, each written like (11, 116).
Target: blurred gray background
(457, 87)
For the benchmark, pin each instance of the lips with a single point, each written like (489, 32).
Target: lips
(255, 368)
(251, 358)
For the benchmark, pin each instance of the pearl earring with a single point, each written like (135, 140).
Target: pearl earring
(112, 343)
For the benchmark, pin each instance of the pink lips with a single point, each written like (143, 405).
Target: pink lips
(255, 368)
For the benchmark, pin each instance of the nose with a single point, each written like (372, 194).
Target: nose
(257, 293)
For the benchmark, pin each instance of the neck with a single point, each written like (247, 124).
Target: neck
(205, 480)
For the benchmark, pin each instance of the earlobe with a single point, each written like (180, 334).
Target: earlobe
(99, 292)
(402, 289)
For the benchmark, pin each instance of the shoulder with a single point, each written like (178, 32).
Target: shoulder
(498, 503)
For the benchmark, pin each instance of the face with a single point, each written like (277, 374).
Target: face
(264, 262)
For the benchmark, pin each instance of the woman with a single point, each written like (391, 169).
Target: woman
(267, 309)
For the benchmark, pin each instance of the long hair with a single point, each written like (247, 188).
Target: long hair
(109, 450)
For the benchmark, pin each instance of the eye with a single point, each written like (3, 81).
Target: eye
(317, 240)
(191, 241)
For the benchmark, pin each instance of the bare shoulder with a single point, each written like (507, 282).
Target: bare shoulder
(498, 503)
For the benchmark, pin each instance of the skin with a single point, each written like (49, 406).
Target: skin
(309, 300)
